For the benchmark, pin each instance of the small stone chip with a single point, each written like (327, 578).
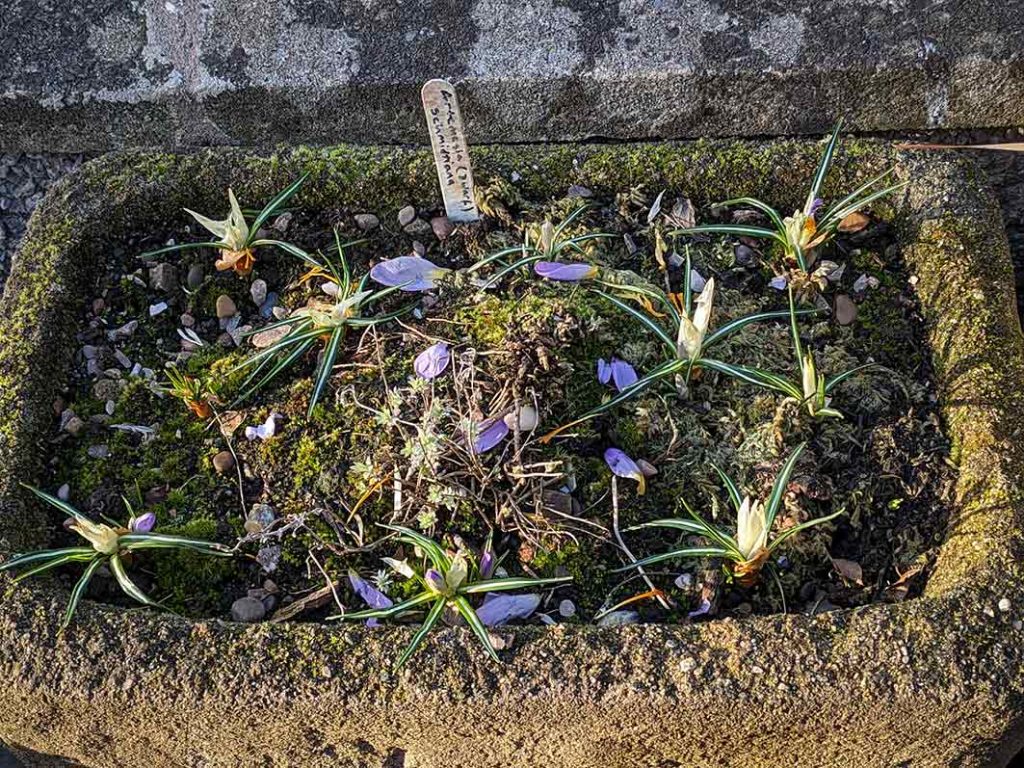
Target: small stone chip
(224, 462)
(367, 221)
(225, 307)
(406, 215)
(248, 610)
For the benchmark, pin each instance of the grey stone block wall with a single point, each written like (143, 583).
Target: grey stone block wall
(96, 74)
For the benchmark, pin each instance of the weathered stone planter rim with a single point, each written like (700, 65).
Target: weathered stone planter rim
(945, 647)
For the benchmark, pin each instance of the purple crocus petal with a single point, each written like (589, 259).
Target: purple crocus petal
(703, 608)
(486, 564)
(432, 361)
(410, 273)
(564, 272)
(815, 205)
(778, 283)
(369, 595)
(604, 371)
(623, 374)
(143, 523)
(501, 609)
(489, 434)
(435, 580)
(622, 466)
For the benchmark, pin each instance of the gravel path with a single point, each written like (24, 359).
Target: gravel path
(24, 180)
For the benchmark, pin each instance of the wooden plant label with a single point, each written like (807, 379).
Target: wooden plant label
(451, 153)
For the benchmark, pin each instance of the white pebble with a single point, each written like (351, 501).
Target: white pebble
(567, 608)
(156, 309)
(1004, 604)
(64, 492)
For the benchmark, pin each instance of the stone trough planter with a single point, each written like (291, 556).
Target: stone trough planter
(934, 681)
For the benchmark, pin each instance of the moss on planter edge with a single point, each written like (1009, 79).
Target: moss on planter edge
(869, 687)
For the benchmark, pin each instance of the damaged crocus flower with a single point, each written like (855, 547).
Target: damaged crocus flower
(690, 339)
(369, 594)
(501, 609)
(622, 465)
(432, 362)
(143, 523)
(564, 272)
(234, 238)
(407, 273)
(264, 431)
(488, 434)
(618, 371)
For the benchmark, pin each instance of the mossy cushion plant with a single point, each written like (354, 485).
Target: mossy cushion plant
(490, 385)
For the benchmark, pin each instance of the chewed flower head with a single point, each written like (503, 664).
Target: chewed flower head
(408, 273)
(233, 235)
(432, 361)
(564, 272)
(103, 538)
(751, 528)
(618, 371)
(622, 465)
(488, 434)
(143, 523)
(435, 581)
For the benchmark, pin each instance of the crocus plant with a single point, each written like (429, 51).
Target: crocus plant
(685, 341)
(811, 391)
(747, 550)
(808, 228)
(237, 238)
(109, 545)
(449, 582)
(199, 394)
(320, 321)
(543, 251)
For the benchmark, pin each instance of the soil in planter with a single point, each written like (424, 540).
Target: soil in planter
(385, 446)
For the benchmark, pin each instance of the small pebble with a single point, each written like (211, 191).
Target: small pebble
(406, 215)
(268, 306)
(187, 321)
(64, 492)
(248, 610)
(442, 227)
(744, 255)
(225, 307)
(106, 389)
(846, 310)
(577, 190)
(122, 359)
(1004, 604)
(258, 291)
(282, 222)
(124, 332)
(158, 308)
(98, 451)
(195, 276)
(367, 221)
(110, 406)
(566, 609)
(163, 277)
(224, 462)
(74, 425)
(418, 228)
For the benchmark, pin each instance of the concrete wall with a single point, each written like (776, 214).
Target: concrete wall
(99, 74)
